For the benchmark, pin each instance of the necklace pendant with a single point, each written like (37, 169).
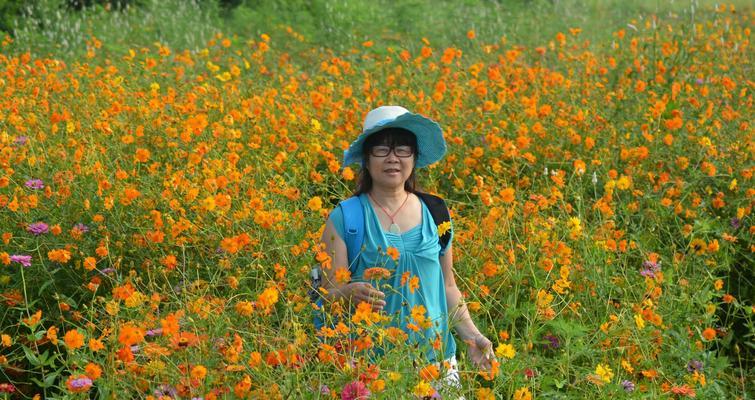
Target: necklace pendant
(394, 228)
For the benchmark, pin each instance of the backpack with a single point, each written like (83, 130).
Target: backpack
(353, 220)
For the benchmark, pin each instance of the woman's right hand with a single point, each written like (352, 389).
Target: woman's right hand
(358, 292)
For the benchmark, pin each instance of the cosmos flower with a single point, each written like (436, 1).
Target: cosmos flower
(81, 228)
(21, 259)
(554, 342)
(35, 184)
(694, 365)
(355, 390)
(79, 384)
(166, 390)
(38, 228)
(650, 268)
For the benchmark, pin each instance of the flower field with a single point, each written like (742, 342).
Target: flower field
(161, 209)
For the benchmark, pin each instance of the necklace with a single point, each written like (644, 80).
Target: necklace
(394, 227)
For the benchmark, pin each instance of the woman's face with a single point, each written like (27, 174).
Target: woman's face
(390, 166)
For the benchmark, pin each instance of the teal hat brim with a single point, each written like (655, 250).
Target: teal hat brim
(431, 146)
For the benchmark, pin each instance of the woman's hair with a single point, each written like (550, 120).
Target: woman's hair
(387, 137)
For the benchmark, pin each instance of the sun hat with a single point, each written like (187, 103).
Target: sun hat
(430, 143)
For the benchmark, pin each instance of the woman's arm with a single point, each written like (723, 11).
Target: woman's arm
(480, 348)
(355, 292)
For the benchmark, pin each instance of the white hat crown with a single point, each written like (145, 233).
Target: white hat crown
(383, 113)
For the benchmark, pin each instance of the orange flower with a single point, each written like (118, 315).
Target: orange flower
(90, 263)
(93, 371)
(73, 339)
(393, 253)
(33, 319)
(650, 373)
(169, 262)
(95, 345)
(52, 335)
(125, 354)
(142, 155)
(507, 195)
(242, 388)
(709, 334)
(170, 324)
(347, 174)
(123, 292)
(376, 273)
(429, 372)
(343, 276)
(130, 335)
(198, 372)
(413, 283)
(60, 255)
(683, 390)
(267, 299)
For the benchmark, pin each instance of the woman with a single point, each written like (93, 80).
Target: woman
(393, 143)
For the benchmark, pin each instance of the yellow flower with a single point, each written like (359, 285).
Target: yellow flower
(484, 394)
(423, 389)
(443, 228)
(698, 246)
(505, 350)
(624, 183)
(604, 372)
(315, 203)
(522, 394)
(639, 321)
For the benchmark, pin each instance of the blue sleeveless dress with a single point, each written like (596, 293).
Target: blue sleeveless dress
(419, 249)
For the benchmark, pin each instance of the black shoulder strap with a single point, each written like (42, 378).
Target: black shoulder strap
(439, 211)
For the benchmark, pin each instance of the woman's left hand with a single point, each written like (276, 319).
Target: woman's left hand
(481, 352)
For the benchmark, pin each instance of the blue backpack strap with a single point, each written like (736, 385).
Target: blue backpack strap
(353, 223)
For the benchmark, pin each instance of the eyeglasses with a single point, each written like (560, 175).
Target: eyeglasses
(399, 151)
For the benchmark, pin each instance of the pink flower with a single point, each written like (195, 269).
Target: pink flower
(37, 228)
(355, 390)
(35, 184)
(23, 260)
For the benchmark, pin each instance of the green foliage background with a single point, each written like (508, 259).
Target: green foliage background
(61, 27)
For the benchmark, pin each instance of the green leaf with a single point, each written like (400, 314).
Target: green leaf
(50, 379)
(43, 357)
(33, 359)
(44, 286)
